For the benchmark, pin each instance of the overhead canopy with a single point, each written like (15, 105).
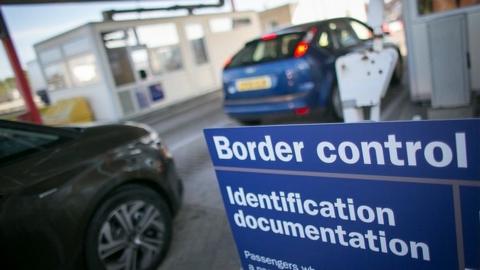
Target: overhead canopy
(18, 2)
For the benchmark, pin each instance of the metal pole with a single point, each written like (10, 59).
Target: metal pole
(375, 20)
(21, 78)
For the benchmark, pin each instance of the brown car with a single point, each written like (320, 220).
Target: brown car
(85, 198)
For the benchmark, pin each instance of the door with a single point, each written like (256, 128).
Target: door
(448, 52)
(131, 69)
(140, 61)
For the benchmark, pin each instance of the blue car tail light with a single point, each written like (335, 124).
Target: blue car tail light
(302, 46)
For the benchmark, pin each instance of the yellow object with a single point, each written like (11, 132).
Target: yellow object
(68, 111)
(252, 84)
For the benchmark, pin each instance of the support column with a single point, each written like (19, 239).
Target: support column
(20, 77)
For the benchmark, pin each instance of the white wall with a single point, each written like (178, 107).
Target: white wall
(222, 46)
(200, 78)
(281, 16)
(316, 10)
(419, 48)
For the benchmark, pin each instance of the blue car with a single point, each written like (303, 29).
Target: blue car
(292, 71)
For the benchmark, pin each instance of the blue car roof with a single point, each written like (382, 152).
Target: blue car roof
(304, 27)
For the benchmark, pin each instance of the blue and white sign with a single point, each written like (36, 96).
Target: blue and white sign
(394, 195)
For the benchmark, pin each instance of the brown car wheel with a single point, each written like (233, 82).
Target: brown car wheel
(131, 229)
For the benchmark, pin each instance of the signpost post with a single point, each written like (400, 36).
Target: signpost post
(396, 195)
(21, 79)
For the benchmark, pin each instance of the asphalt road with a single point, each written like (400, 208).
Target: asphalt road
(202, 237)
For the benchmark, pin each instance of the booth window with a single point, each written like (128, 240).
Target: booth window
(120, 66)
(51, 55)
(116, 43)
(56, 76)
(83, 69)
(119, 38)
(196, 37)
(162, 42)
(77, 46)
(165, 59)
(218, 25)
(433, 6)
(240, 22)
(140, 61)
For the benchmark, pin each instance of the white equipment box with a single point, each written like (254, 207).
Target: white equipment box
(363, 79)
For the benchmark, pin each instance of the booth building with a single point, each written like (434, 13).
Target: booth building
(127, 68)
(443, 40)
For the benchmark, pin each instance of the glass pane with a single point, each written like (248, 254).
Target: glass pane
(166, 59)
(76, 47)
(218, 25)
(346, 38)
(225, 24)
(343, 34)
(323, 40)
(56, 75)
(195, 35)
(363, 32)
(259, 51)
(119, 38)
(83, 69)
(17, 142)
(120, 66)
(51, 55)
(199, 51)
(433, 6)
(194, 31)
(116, 43)
(158, 35)
(126, 102)
(465, 3)
(140, 62)
(162, 43)
(239, 22)
(143, 100)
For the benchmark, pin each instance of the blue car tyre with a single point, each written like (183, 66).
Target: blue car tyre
(336, 101)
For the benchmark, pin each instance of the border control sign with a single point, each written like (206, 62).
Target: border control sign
(394, 195)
